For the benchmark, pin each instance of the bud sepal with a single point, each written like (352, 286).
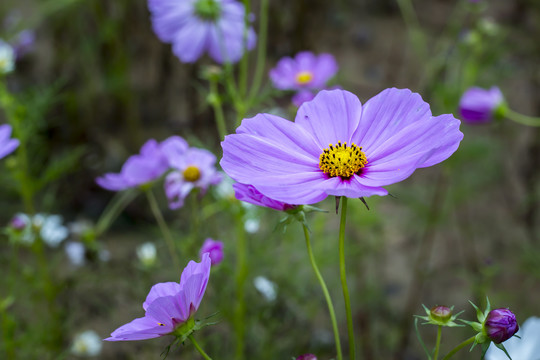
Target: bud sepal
(440, 315)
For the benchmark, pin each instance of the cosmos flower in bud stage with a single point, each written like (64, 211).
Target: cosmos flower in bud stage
(214, 248)
(195, 168)
(337, 146)
(194, 27)
(478, 106)
(138, 169)
(7, 144)
(500, 325)
(170, 307)
(440, 315)
(524, 346)
(306, 357)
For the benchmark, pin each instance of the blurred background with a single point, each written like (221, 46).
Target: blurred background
(96, 83)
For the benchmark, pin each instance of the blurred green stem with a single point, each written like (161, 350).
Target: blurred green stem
(343, 274)
(215, 101)
(522, 119)
(13, 115)
(241, 276)
(261, 51)
(325, 291)
(244, 62)
(418, 38)
(113, 209)
(438, 343)
(199, 349)
(459, 347)
(163, 226)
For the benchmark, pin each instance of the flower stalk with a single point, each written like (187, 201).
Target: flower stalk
(198, 347)
(459, 347)
(325, 292)
(343, 275)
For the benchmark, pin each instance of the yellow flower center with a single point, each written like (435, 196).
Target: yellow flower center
(342, 160)
(303, 77)
(192, 173)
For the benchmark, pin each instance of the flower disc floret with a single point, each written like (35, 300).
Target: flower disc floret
(342, 160)
(192, 173)
(304, 77)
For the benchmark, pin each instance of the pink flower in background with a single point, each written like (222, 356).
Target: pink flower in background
(194, 27)
(168, 305)
(7, 144)
(194, 168)
(305, 71)
(214, 249)
(478, 106)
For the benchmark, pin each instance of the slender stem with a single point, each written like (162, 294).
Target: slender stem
(411, 20)
(261, 51)
(215, 101)
(343, 274)
(326, 293)
(241, 276)
(244, 62)
(163, 226)
(199, 349)
(113, 209)
(459, 347)
(438, 343)
(522, 119)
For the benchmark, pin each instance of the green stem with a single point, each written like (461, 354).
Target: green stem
(343, 274)
(215, 101)
(241, 276)
(522, 119)
(199, 349)
(261, 51)
(438, 343)
(242, 81)
(113, 209)
(411, 20)
(459, 347)
(163, 226)
(326, 293)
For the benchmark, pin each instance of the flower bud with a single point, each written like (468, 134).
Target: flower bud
(441, 313)
(214, 249)
(479, 106)
(307, 357)
(500, 325)
(18, 223)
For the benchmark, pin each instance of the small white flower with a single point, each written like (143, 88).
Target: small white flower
(224, 189)
(147, 253)
(266, 287)
(87, 343)
(52, 231)
(7, 58)
(526, 348)
(252, 225)
(75, 252)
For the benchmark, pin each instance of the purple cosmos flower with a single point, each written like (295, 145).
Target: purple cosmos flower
(307, 357)
(140, 169)
(7, 144)
(195, 168)
(500, 325)
(168, 305)
(23, 42)
(524, 347)
(479, 106)
(338, 147)
(305, 71)
(197, 26)
(214, 249)
(249, 194)
(301, 97)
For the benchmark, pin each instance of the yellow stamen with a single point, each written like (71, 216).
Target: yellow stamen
(342, 160)
(192, 173)
(304, 77)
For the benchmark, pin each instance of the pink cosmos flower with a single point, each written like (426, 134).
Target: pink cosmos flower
(168, 305)
(478, 106)
(214, 248)
(338, 147)
(7, 144)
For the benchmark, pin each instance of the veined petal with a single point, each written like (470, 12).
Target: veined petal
(330, 117)
(352, 187)
(387, 114)
(168, 310)
(297, 189)
(161, 289)
(139, 329)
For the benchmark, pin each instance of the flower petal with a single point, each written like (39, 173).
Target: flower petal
(330, 117)
(139, 329)
(191, 40)
(169, 310)
(160, 290)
